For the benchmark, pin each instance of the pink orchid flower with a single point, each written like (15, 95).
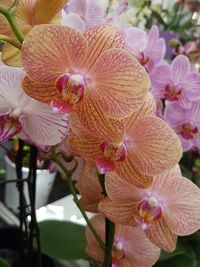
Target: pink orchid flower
(186, 123)
(87, 73)
(139, 147)
(176, 82)
(82, 14)
(20, 114)
(169, 207)
(148, 49)
(131, 248)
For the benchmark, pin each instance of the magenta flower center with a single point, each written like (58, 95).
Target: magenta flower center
(118, 253)
(149, 210)
(114, 152)
(172, 93)
(71, 86)
(187, 131)
(143, 59)
(9, 126)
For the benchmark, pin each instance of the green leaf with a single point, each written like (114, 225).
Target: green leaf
(188, 259)
(63, 240)
(3, 263)
(180, 249)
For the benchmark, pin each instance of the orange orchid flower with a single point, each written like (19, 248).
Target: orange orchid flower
(131, 248)
(87, 73)
(144, 146)
(169, 207)
(28, 14)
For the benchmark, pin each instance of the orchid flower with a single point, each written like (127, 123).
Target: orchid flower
(146, 146)
(82, 14)
(130, 248)
(176, 82)
(20, 114)
(87, 73)
(185, 122)
(28, 14)
(148, 49)
(169, 207)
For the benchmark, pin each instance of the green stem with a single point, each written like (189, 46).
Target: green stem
(76, 200)
(6, 39)
(110, 233)
(10, 16)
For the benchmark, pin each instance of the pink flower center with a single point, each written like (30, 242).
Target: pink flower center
(71, 86)
(149, 210)
(9, 126)
(143, 59)
(118, 253)
(187, 130)
(172, 93)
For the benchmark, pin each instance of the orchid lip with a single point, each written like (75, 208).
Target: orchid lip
(9, 126)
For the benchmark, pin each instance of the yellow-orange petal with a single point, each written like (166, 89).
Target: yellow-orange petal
(95, 121)
(51, 50)
(120, 190)
(119, 212)
(153, 146)
(46, 10)
(120, 83)
(44, 93)
(11, 56)
(160, 234)
(100, 39)
(148, 108)
(128, 171)
(88, 148)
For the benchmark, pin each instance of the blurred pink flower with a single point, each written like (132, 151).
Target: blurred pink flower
(185, 122)
(169, 207)
(176, 82)
(149, 49)
(130, 249)
(20, 114)
(82, 14)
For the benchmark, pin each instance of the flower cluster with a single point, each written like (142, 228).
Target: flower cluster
(86, 86)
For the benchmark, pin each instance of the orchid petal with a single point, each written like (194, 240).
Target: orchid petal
(42, 92)
(180, 68)
(160, 77)
(11, 56)
(73, 20)
(153, 145)
(100, 39)
(118, 212)
(161, 235)
(182, 212)
(50, 50)
(121, 83)
(191, 84)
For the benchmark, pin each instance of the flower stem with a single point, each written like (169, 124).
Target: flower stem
(110, 233)
(76, 200)
(10, 16)
(6, 39)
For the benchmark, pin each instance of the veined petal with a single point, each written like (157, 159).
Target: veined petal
(88, 148)
(46, 10)
(153, 145)
(50, 50)
(100, 39)
(128, 171)
(182, 212)
(93, 119)
(5, 28)
(118, 212)
(161, 77)
(42, 92)
(120, 190)
(9, 127)
(121, 83)
(180, 68)
(191, 86)
(148, 108)
(145, 253)
(43, 126)
(161, 235)
(11, 56)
